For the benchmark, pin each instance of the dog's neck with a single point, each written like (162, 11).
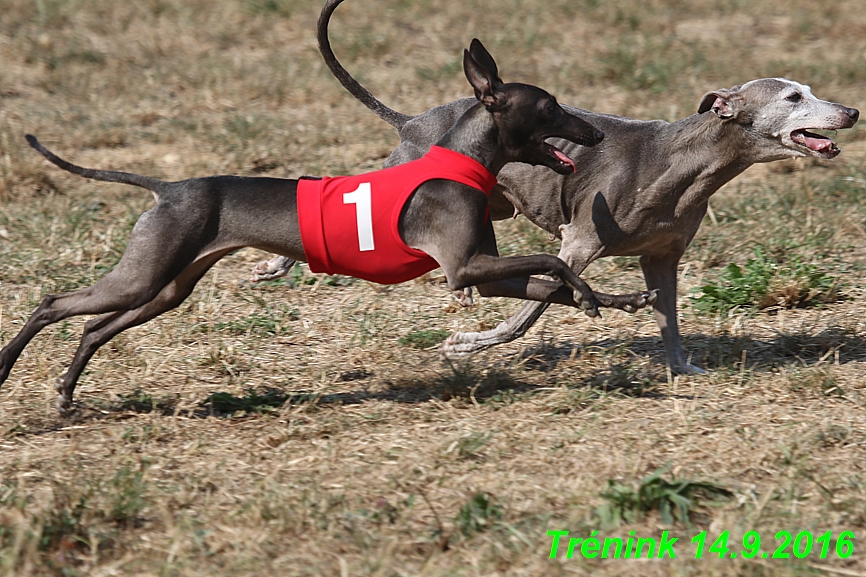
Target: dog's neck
(724, 155)
(476, 135)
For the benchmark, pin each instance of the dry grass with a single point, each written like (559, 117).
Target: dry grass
(310, 428)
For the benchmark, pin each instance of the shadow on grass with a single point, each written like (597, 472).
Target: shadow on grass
(495, 387)
(500, 384)
(802, 348)
(490, 386)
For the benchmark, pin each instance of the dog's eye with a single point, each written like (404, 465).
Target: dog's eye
(796, 97)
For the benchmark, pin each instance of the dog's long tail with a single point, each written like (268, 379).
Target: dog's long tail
(157, 187)
(392, 117)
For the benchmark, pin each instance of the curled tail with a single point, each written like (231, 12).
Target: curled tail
(392, 117)
(155, 186)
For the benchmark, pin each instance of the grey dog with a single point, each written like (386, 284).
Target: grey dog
(198, 221)
(643, 192)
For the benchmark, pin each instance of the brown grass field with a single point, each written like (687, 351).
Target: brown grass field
(307, 426)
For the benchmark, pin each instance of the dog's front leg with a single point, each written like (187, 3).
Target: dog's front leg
(511, 277)
(577, 255)
(661, 274)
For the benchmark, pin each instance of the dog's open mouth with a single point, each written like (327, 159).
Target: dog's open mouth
(818, 143)
(564, 160)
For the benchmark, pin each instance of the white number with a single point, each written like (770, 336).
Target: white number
(361, 198)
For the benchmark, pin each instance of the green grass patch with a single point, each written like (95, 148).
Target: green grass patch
(765, 282)
(261, 324)
(478, 514)
(469, 447)
(424, 339)
(673, 499)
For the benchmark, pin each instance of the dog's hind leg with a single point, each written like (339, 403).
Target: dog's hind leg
(99, 331)
(144, 269)
(277, 267)
(55, 308)
(462, 344)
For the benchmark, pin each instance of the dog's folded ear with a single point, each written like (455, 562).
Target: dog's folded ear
(482, 74)
(726, 104)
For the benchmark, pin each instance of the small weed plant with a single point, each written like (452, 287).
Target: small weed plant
(765, 282)
(673, 499)
(478, 515)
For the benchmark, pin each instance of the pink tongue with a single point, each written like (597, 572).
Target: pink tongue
(817, 144)
(566, 160)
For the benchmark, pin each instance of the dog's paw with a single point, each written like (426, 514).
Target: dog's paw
(461, 345)
(64, 406)
(652, 297)
(687, 368)
(274, 268)
(641, 300)
(452, 348)
(630, 303)
(464, 297)
(588, 303)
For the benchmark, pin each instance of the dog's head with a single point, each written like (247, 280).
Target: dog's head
(525, 115)
(782, 113)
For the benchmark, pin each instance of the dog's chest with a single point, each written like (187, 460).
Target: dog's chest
(349, 224)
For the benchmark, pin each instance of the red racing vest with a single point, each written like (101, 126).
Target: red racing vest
(349, 223)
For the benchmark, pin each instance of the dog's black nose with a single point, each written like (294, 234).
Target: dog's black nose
(599, 135)
(853, 114)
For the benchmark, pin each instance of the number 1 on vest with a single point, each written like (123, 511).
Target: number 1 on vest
(362, 200)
